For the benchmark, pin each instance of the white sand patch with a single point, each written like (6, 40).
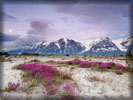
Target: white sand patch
(114, 85)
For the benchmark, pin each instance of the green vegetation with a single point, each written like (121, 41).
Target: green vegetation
(128, 58)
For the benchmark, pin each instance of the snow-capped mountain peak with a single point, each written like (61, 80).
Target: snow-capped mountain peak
(102, 46)
(69, 46)
(105, 38)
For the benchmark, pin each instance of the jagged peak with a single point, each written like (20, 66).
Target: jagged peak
(65, 42)
(101, 39)
(105, 38)
(63, 39)
(130, 39)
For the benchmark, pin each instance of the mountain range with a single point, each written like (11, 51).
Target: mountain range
(102, 46)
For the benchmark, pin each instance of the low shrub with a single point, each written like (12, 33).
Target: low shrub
(12, 86)
(118, 71)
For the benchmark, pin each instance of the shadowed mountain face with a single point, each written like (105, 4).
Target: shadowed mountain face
(128, 43)
(62, 46)
(68, 46)
(104, 46)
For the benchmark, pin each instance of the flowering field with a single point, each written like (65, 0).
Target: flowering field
(67, 79)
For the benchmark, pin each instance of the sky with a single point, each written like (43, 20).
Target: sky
(29, 23)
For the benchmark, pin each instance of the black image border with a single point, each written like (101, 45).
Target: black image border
(130, 2)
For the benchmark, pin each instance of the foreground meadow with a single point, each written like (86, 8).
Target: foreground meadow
(65, 78)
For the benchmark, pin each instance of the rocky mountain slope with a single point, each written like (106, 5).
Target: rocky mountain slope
(69, 46)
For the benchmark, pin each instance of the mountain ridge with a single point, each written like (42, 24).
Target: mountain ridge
(64, 46)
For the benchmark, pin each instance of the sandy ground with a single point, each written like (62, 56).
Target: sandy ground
(109, 86)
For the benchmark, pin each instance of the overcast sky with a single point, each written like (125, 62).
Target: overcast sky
(26, 23)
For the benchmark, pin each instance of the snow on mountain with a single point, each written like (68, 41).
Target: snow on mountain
(69, 46)
(124, 44)
(103, 46)
(118, 44)
(127, 42)
(17, 50)
(61, 46)
(86, 43)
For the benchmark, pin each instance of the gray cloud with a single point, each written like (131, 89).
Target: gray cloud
(125, 14)
(8, 38)
(111, 15)
(39, 27)
(29, 39)
(8, 17)
(93, 12)
(36, 33)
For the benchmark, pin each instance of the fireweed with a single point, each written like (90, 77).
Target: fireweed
(69, 91)
(46, 75)
(118, 71)
(38, 70)
(69, 88)
(49, 76)
(12, 86)
(52, 89)
(98, 65)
